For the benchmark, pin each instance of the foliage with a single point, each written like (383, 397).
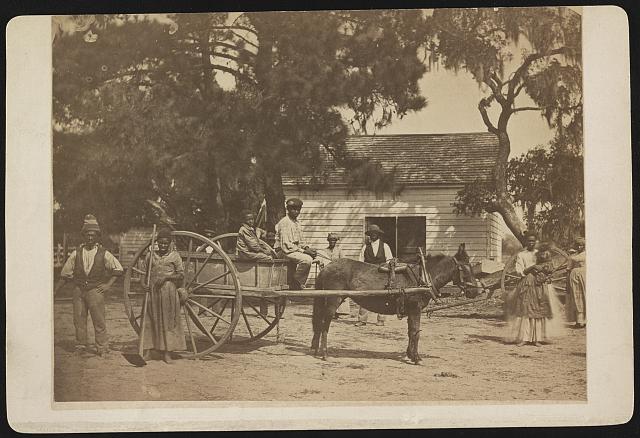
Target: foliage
(205, 112)
(509, 51)
(549, 185)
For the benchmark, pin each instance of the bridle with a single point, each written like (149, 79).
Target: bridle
(463, 284)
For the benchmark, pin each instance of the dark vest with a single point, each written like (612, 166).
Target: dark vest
(98, 272)
(376, 259)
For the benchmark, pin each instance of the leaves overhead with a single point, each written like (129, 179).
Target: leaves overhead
(513, 53)
(205, 112)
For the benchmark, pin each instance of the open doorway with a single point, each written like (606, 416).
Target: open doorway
(403, 234)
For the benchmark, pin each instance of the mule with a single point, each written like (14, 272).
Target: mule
(347, 274)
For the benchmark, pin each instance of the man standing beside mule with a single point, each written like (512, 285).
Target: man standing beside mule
(375, 252)
(93, 271)
(290, 242)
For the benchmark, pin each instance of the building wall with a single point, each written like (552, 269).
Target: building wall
(336, 210)
(131, 242)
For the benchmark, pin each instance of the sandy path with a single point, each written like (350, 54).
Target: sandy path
(465, 358)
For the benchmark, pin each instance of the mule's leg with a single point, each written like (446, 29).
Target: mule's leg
(413, 326)
(329, 310)
(317, 323)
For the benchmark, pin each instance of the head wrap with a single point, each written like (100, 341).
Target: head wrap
(294, 202)
(90, 224)
(373, 229)
(164, 233)
(333, 236)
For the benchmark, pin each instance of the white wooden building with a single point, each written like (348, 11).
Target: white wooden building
(431, 169)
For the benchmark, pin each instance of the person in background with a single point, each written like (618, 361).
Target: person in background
(330, 254)
(248, 245)
(93, 270)
(526, 257)
(270, 238)
(576, 303)
(163, 324)
(533, 307)
(290, 243)
(376, 252)
(209, 234)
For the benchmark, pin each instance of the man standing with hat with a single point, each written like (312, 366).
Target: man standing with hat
(93, 271)
(375, 252)
(290, 242)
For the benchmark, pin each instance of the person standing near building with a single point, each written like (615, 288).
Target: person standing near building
(577, 304)
(93, 270)
(330, 254)
(533, 309)
(290, 242)
(376, 252)
(524, 259)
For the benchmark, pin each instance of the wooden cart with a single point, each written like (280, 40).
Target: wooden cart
(230, 300)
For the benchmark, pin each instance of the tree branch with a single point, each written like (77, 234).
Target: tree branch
(520, 71)
(237, 26)
(235, 73)
(526, 108)
(482, 107)
(232, 47)
(245, 40)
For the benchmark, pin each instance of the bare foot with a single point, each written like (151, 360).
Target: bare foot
(166, 357)
(520, 344)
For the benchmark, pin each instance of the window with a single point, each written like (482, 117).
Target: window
(403, 234)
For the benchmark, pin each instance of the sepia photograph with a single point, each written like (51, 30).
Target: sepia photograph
(381, 206)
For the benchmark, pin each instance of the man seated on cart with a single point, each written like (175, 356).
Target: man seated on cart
(248, 245)
(290, 243)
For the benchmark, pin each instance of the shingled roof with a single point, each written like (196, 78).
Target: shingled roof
(419, 158)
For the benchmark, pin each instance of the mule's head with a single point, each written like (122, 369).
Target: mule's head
(465, 279)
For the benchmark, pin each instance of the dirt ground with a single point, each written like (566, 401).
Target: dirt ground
(465, 357)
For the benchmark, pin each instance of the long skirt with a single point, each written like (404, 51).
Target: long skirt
(530, 329)
(163, 326)
(576, 299)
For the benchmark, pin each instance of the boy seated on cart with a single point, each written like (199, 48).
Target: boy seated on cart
(248, 245)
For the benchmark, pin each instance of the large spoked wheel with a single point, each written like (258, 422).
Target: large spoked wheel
(260, 315)
(213, 308)
(510, 278)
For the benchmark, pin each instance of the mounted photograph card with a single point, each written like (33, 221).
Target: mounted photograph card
(341, 219)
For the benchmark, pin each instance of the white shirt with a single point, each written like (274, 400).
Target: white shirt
(525, 259)
(374, 246)
(88, 257)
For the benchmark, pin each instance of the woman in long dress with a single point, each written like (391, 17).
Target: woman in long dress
(576, 299)
(163, 325)
(532, 308)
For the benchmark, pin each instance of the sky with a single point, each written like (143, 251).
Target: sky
(453, 108)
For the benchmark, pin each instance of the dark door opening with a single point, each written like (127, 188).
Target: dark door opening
(403, 234)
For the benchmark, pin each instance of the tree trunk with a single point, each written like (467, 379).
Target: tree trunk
(503, 204)
(274, 195)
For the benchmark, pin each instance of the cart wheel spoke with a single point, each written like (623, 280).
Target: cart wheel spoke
(259, 313)
(215, 324)
(139, 271)
(193, 342)
(196, 320)
(206, 309)
(244, 316)
(208, 282)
